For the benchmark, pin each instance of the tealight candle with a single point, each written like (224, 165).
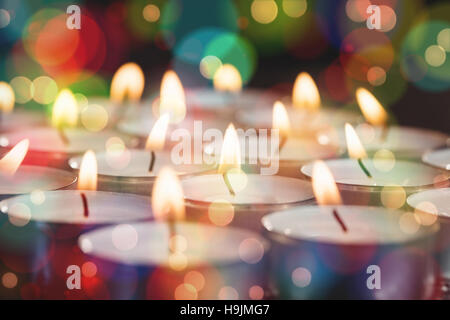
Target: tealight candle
(438, 158)
(333, 251)
(233, 197)
(429, 207)
(40, 235)
(375, 181)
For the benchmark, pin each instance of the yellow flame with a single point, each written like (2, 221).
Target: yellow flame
(305, 94)
(157, 136)
(354, 145)
(87, 178)
(65, 109)
(172, 97)
(324, 186)
(230, 157)
(128, 82)
(7, 97)
(168, 196)
(371, 108)
(227, 78)
(12, 160)
(280, 119)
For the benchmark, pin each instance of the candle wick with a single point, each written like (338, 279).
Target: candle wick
(85, 205)
(363, 168)
(339, 220)
(152, 161)
(228, 184)
(63, 136)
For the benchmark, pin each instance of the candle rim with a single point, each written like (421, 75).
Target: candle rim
(415, 199)
(428, 158)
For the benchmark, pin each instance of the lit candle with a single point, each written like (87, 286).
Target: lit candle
(432, 207)
(308, 117)
(438, 158)
(334, 251)
(11, 119)
(175, 259)
(135, 170)
(53, 146)
(39, 236)
(382, 180)
(233, 197)
(21, 179)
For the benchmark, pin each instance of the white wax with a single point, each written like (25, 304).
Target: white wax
(438, 158)
(148, 244)
(384, 173)
(66, 206)
(302, 122)
(45, 139)
(31, 178)
(254, 189)
(135, 163)
(439, 198)
(19, 119)
(405, 140)
(365, 225)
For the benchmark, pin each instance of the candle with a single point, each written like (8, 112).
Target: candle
(379, 180)
(39, 238)
(309, 119)
(16, 179)
(134, 170)
(438, 158)
(233, 197)
(432, 207)
(173, 259)
(348, 252)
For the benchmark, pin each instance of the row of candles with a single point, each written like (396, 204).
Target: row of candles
(213, 231)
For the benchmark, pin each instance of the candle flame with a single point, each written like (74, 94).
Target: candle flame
(168, 196)
(128, 82)
(354, 145)
(305, 94)
(172, 97)
(12, 160)
(157, 136)
(7, 97)
(65, 109)
(87, 178)
(280, 119)
(227, 78)
(324, 186)
(230, 157)
(371, 108)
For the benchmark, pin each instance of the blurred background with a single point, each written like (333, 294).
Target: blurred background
(406, 63)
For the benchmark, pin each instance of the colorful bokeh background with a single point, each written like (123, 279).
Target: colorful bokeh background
(406, 63)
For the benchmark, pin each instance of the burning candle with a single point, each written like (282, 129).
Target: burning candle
(309, 118)
(41, 230)
(21, 179)
(432, 207)
(438, 158)
(11, 119)
(404, 142)
(233, 197)
(348, 252)
(53, 146)
(171, 259)
(381, 180)
(134, 170)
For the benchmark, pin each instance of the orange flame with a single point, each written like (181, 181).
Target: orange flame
(324, 186)
(12, 160)
(280, 119)
(128, 81)
(157, 136)
(305, 94)
(227, 78)
(354, 145)
(87, 178)
(168, 196)
(172, 97)
(230, 157)
(65, 109)
(7, 97)
(371, 108)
